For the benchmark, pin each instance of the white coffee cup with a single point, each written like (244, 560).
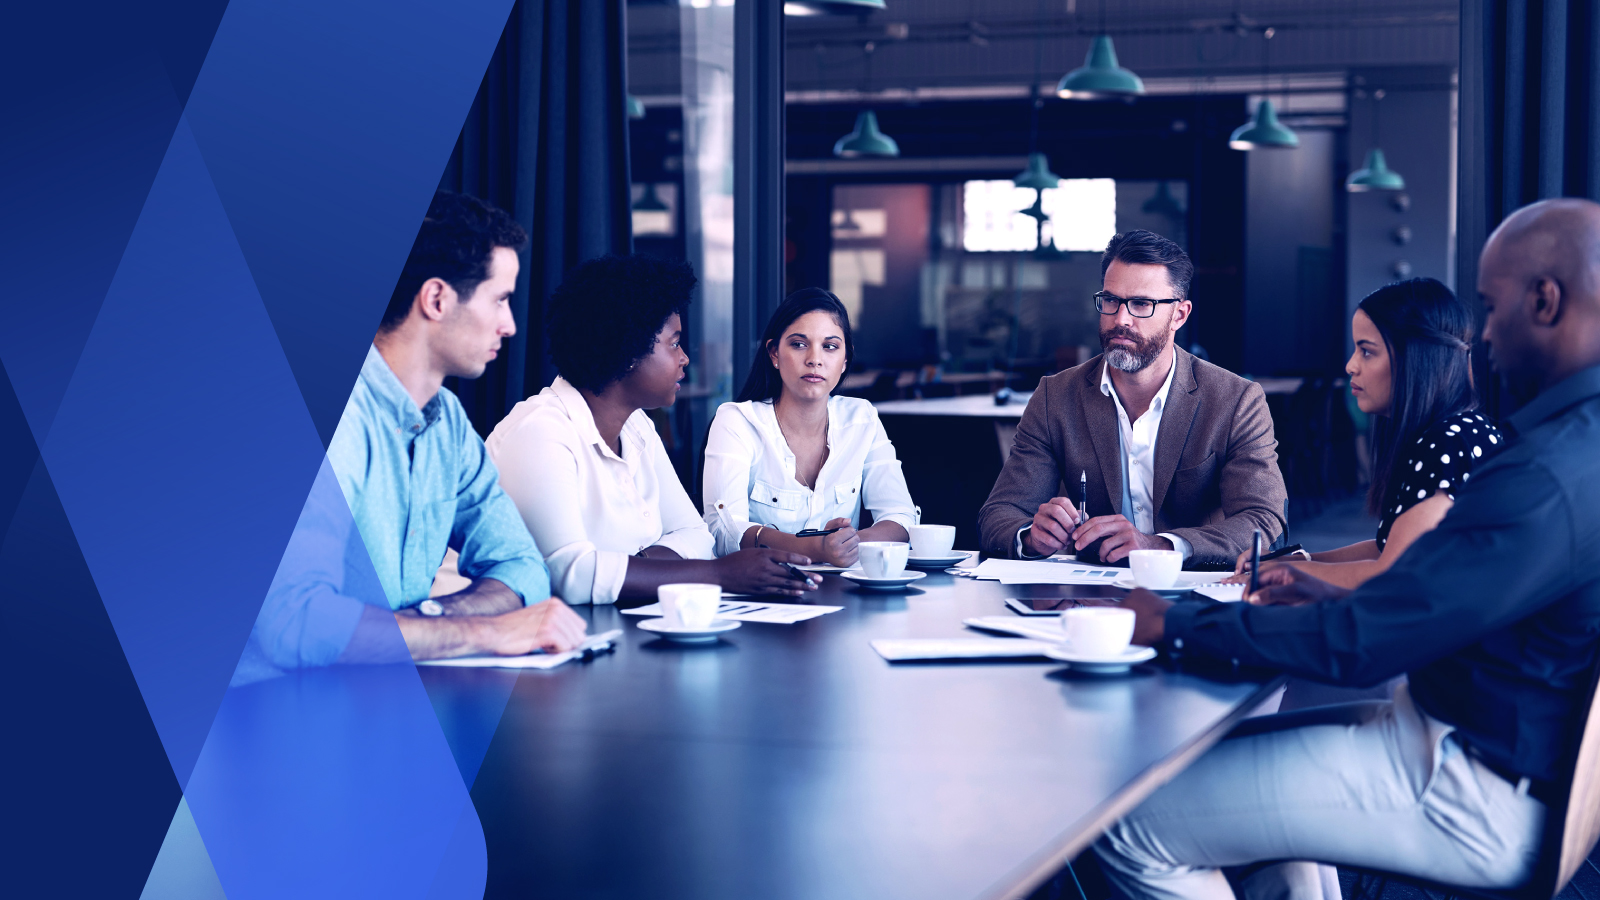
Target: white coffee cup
(1155, 569)
(932, 540)
(689, 605)
(1098, 630)
(884, 559)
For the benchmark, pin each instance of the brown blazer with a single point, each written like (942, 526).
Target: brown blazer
(1216, 465)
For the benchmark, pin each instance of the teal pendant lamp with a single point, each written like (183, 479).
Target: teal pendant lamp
(650, 201)
(1037, 175)
(866, 139)
(1375, 175)
(1163, 203)
(1263, 130)
(830, 7)
(1100, 77)
(635, 107)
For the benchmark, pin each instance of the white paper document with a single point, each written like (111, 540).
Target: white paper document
(532, 660)
(1038, 629)
(744, 611)
(1045, 571)
(903, 649)
(1227, 593)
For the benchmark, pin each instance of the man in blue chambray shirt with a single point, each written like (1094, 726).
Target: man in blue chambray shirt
(416, 480)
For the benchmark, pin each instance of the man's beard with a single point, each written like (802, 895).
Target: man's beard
(1136, 358)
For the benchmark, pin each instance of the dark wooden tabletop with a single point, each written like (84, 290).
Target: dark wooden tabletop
(791, 761)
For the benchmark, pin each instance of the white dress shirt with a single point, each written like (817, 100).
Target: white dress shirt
(1139, 457)
(749, 476)
(587, 508)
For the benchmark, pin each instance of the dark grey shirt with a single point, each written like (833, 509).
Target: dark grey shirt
(1494, 615)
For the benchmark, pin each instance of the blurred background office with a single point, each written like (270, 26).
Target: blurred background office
(951, 169)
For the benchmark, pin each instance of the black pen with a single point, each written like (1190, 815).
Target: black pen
(1282, 552)
(1083, 493)
(796, 572)
(815, 532)
(1255, 562)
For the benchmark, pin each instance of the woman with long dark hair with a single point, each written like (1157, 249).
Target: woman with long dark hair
(1412, 371)
(788, 457)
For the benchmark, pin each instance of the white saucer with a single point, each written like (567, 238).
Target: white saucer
(689, 635)
(937, 562)
(1101, 665)
(1125, 580)
(891, 583)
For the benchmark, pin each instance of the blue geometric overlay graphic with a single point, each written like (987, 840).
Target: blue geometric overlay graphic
(213, 201)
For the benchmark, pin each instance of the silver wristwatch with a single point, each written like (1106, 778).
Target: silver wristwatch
(430, 607)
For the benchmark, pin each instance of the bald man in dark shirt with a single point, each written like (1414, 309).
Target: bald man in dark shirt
(1494, 617)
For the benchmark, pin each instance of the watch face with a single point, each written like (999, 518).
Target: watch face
(431, 607)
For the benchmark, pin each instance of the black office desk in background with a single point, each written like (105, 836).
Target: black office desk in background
(790, 761)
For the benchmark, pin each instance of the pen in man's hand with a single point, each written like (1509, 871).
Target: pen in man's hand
(816, 532)
(1083, 494)
(796, 572)
(1255, 562)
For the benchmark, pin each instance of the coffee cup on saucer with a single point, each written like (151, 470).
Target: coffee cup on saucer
(884, 559)
(1155, 570)
(689, 605)
(1098, 630)
(931, 540)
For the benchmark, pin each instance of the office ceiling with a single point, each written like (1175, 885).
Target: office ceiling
(945, 47)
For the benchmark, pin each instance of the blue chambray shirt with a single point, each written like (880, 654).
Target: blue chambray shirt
(420, 481)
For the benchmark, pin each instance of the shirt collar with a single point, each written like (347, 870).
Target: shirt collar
(392, 395)
(1160, 399)
(1570, 390)
(582, 417)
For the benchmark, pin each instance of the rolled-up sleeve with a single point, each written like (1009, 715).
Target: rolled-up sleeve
(730, 452)
(883, 484)
(538, 466)
(489, 532)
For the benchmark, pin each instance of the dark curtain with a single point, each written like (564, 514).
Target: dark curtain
(547, 141)
(1530, 76)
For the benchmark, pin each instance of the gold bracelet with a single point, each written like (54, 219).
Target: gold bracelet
(758, 534)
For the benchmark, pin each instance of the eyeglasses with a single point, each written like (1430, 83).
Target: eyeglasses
(1138, 307)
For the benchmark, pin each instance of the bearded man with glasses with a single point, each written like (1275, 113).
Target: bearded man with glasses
(1173, 453)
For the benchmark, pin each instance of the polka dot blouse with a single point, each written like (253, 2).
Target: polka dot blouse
(1440, 461)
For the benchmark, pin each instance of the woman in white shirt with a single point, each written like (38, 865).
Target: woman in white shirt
(787, 457)
(583, 462)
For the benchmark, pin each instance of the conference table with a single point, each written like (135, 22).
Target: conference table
(791, 761)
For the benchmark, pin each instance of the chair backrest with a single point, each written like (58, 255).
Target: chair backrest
(1580, 826)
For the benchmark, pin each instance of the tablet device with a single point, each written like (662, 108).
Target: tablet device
(1052, 606)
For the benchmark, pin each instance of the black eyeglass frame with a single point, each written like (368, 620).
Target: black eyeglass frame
(1128, 302)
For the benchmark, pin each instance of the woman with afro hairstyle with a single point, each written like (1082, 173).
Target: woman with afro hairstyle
(789, 456)
(583, 462)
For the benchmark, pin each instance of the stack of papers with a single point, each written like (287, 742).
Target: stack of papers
(1040, 629)
(532, 660)
(771, 613)
(1045, 571)
(1227, 593)
(1061, 571)
(901, 649)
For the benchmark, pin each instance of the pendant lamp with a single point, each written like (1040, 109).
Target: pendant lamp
(635, 108)
(866, 139)
(1374, 176)
(829, 7)
(1037, 175)
(1263, 130)
(1100, 77)
(1163, 203)
(650, 201)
